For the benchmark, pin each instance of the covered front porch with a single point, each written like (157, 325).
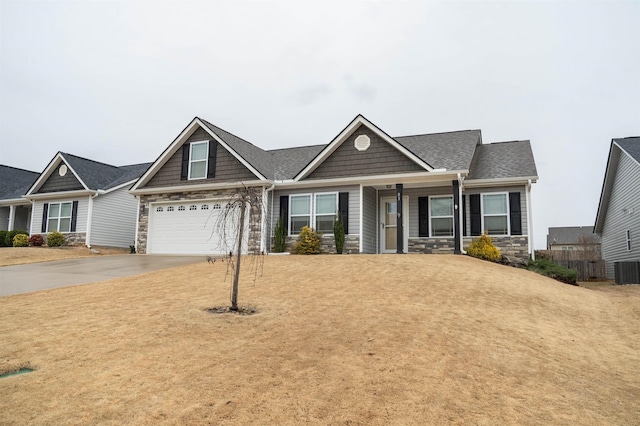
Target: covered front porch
(15, 216)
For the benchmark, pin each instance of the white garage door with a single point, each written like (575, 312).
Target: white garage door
(192, 228)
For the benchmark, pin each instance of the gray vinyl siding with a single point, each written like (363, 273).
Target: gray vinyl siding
(523, 204)
(228, 168)
(380, 158)
(113, 221)
(369, 220)
(625, 195)
(4, 218)
(354, 203)
(81, 221)
(57, 183)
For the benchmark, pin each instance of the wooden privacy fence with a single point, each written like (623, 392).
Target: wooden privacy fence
(589, 265)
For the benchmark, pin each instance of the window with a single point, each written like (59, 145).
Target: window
(441, 209)
(192, 207)
(300, 212)
(628, 235)
(204, 207)
(170, 208)
(567, 247)
(159, 209)
(326, 206)
(59, 217)
(495, 214)
(217, 206)
(198, 158)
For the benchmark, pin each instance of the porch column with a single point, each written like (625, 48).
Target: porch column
(12, 217)
(399, 227)
(456, 217)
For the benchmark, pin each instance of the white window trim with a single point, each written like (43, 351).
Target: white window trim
(508, 215)
(70, 217)
(206, 160)
(628, 238)
(452, 216)
(312, 209)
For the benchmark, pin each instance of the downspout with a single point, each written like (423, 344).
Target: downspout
(265, 224)
(532, 252)
(461, 213)
(135, 242)
(361, 220)
(87, 241)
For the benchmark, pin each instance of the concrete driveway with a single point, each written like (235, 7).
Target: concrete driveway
(61, 273)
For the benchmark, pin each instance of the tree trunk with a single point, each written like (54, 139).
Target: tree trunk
(236, 278)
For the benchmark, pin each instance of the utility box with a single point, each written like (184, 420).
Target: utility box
(627, 272)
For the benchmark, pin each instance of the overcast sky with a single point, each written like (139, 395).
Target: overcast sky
(116, 82)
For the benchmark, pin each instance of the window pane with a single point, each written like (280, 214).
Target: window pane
(65, 209)
(54, 210)
(496, 225)
(198, 169)
(198, 151)
(495, 204)
(300, 205)
(324, 224)
(298, 222)
(441, 207)
(326, 204)
(442, 227)
(65, 225)
(52, 225)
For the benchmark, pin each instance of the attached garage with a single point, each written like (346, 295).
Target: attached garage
(192, 227)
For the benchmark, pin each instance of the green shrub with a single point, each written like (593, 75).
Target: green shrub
(338, 233)
(21, 240)
(483, 248)
(3, 237)
(280, 237)
(36, 240)
(552, 270)
(8, 241)
(308, 241)
(55, 239)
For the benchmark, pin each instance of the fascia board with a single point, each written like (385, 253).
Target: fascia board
(197, 187)
(232, 151)
(472, 183)
(49, 170)
(15, 202)
(607, 183)
(342, 136)
(62, 194)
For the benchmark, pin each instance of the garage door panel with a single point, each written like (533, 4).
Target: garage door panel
(190, 228)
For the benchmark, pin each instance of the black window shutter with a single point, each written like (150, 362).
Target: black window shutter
(213, 150)
(74, 216)
(476, 216)
(184, 174)
(343, 208)
(515, 213)
(464, 215)
(284, 211)
(45, 217)
(423, 216)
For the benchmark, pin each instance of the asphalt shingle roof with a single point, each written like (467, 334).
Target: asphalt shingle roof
(571, 235)
(631, 145)
(14, 183)
(290, 161)
(450, 150)
(503, 160)
(103, 176)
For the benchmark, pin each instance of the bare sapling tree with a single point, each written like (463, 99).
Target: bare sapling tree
(233, 226)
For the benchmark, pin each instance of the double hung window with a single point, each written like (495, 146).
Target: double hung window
(441, 209)
(59, 217)
(300, 212)
(198, 158)
(316, 211)
(495, 214)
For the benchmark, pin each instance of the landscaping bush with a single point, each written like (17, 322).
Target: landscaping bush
(483, 248)
(553, 270)
(21, 240)
(36, 240)
(3, 237)
(308, 241)
(8, 241)
(55, 239)
(280, 237)
(338, 233)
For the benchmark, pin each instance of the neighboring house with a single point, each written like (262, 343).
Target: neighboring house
(15, 211)
(85, 200)
(618, 217)
(421, 194)
(573, 238)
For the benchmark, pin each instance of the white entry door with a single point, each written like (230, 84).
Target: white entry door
(389, 224)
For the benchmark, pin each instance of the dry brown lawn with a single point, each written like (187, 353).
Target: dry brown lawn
(362, 339)
(22, 255)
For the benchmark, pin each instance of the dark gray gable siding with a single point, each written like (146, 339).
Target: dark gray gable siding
(57, 183)
(228, 168)
(381, 158)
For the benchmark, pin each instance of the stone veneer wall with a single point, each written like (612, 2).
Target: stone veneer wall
(431, 245)
(517, 246)
(72, 238)
(255, 226)
(328, 244)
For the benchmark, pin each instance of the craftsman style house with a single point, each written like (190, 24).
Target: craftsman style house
(428, 193)
(618, 217)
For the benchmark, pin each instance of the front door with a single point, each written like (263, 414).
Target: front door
(389, 224)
